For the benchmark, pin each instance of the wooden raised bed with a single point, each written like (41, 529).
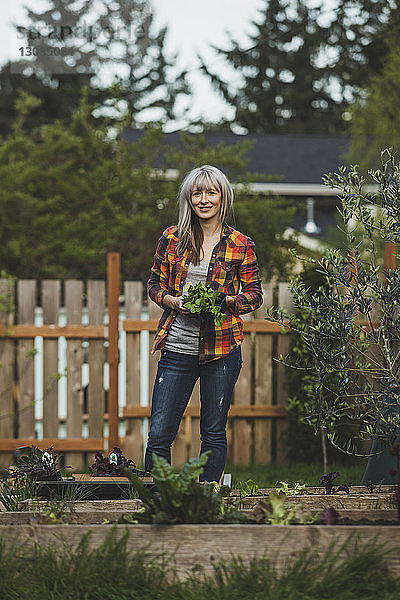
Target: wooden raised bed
(88, 513)
(337, 501)
(195, 548)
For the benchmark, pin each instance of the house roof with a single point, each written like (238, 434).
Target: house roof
(294, 158)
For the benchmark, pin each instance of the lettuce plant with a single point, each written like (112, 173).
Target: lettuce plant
(201, 300)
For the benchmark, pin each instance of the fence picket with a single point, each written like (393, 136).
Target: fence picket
(26, 294)
(51, 304)
(242, 426)
(263, 384)
(96, 400)
(73, 302)
(133, 293)
(7, 414)
(284, 301)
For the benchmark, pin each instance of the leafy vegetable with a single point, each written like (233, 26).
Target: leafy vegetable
(276, 511)
(248, 488)
(201, 299)
(286, 488)
(180, 498)
(327, 481)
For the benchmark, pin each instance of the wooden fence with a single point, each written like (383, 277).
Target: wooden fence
(92, 422)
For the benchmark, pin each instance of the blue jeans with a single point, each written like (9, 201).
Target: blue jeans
(176, 376)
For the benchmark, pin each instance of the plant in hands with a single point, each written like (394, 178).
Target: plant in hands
(201, 299)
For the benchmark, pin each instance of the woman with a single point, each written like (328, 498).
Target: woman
(201, 248)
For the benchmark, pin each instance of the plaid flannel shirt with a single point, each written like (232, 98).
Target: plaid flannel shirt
(233, 270)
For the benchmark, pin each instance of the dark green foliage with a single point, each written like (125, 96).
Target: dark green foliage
(179, 498)
(70, 194)
(122, 40)
(305, 63)
(265, 219)
(112, 572)
(201, 300)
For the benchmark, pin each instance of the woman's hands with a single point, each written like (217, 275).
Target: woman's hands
(175, 303)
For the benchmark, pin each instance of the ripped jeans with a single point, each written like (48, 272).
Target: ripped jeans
(176, 376)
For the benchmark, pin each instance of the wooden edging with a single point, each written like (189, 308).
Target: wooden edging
(54, 331)
(196, 548)
(67, 445)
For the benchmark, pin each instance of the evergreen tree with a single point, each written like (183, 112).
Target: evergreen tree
(304, 67)
(120, 41)
(375, 123)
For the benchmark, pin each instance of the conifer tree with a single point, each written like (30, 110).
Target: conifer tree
(305, 65)
(111, 45)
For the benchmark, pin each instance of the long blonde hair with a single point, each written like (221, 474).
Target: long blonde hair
(190, 233)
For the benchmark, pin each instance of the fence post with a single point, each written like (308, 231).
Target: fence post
(113, 283)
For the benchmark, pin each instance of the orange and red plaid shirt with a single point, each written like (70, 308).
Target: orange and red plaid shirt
(233, 265)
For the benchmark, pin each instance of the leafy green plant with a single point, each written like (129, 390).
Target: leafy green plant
(12, 492)
(180, 498)
(277, 511)
(291, 490)
(201, 300)
(248, 487)
(54, 512)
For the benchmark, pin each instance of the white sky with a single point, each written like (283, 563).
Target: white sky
(192, 26)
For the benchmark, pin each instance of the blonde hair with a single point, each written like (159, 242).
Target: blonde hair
(190, 233)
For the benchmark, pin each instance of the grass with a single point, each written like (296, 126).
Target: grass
(309, 473)
(111, 572)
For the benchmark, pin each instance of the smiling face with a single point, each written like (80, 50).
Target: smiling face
(206, 204)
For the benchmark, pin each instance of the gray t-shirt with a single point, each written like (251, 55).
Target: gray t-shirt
(183, 335)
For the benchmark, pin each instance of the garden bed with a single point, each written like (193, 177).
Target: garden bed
(195, 548)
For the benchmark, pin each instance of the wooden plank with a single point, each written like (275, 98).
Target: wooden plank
(198, 548)
(26, 290)
(96, 297)
(73, 302)
(134, 325)
(284, 301)
(242, 428)
(53, 331)
(70, 445)
(113, 289)
(133, 445)
(263, 383)
(51, 290)
(241, 411)
(7, 358)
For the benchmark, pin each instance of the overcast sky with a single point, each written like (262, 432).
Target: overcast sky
(192, 27)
